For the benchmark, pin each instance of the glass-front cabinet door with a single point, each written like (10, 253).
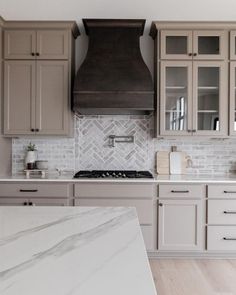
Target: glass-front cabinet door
(209, 44)
(232, 120)
(175, 98)
(209, 98)
(176, 44)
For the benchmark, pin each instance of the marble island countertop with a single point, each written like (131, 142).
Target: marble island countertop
(72, 251)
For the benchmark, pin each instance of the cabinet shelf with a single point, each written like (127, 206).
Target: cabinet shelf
(208, 111)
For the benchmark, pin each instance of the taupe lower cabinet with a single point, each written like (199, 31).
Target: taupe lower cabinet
(180, 222)
(38, 71)
(141, 196)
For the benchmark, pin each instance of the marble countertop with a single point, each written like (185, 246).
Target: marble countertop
(187, 178)
(72, 251)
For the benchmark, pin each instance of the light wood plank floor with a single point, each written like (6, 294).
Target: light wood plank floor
(194, 276)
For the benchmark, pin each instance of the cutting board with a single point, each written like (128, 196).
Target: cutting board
(163, 162)
(177, 163)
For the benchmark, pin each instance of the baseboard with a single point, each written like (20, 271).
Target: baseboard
(192, 255)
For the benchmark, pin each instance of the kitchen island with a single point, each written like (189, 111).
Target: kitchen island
(72, 250)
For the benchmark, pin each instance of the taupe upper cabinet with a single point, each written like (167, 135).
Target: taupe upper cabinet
(38, 70)
(192, 78)
(41, 44)
(197, 44)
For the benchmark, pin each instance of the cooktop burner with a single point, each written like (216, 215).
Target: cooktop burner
(113, 174)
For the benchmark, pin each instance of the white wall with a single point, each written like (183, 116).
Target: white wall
(148, 9)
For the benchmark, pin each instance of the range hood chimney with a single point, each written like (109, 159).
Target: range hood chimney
(113, 79)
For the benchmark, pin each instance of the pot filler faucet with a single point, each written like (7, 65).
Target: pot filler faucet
(120, 139)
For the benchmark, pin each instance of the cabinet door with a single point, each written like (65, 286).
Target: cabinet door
(13, 202)
(48, 202)
(19, 44)
(176, 44)
(180, 225)
(52, 44)
(176, 98)
(232, 107)
(209, 44)
(19, 97)
(210, 99)
(52, 98)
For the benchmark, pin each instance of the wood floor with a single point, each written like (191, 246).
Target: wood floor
(194, 276)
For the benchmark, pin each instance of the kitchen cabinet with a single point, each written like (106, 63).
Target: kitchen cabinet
(180, 218)
(139, 195)
(192, 98)
(193, 44)
(38, 73)
(192, 78)
(221, 218)
(33, 202)
(36, 44)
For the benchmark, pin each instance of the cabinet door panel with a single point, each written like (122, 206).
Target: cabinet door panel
(176, 44)
(233, 45)
(19, 97)
(180, 225)
(19, 44)
(52, 101)
(53, 44)
(210, 98)
(210, 44)
(176, 98)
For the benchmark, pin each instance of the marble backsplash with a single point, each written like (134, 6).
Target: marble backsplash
(89, 148)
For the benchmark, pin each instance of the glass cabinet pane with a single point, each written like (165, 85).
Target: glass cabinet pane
(234, 93)
(176, 90)
(208, 45)
(176, 44)
(208, 99)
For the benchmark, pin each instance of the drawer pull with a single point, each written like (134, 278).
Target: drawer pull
(180, 192)
(229, 192)
(229, 212)
(229, 239)
(28, 190)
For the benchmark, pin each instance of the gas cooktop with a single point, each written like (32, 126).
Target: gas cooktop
(113, 174)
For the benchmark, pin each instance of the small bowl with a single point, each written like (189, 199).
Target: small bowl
(41, 165)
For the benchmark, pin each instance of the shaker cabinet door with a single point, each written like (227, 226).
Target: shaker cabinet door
(52, 98)
(176, 98)
(180, 225)
(19, 44)
(19, 97)
(209, 44)
(52, 44)
(176, 44)
(210, 98)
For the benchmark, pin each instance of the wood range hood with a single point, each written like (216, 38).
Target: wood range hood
(113, 78)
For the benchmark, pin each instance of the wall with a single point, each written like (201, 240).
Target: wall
(88, 149)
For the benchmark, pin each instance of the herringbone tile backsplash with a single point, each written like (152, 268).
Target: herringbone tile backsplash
(89, 148)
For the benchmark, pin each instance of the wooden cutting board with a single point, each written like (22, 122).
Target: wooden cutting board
(163, 162)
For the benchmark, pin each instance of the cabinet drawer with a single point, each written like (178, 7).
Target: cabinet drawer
(34, 190)
(147, 231)
(144, 207)
(222, 212)
(222, 191)
(221, 238)
(181, 191)
(116, 190)
(33, 202)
